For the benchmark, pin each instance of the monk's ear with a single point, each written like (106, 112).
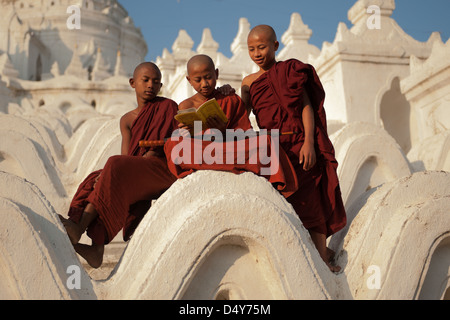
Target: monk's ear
(132, 83)
(217, 73)
(277, 45)
(188, 79)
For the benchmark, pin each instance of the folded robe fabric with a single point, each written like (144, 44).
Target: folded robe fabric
(257, 154)
(247, 153)
(277, 100)
(123, 190)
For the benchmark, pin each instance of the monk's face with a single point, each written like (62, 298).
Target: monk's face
(203, 78)
(147, 83)
(262, 49)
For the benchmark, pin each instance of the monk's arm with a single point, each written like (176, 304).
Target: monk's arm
(126, 135)
(185, 129)
(245, 95)
(308, 153)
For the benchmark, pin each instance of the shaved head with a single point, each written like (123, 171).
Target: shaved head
(200, 60)
(146, 65)
(262, 46)
(263, 30)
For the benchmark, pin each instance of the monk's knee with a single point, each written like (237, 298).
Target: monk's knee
(115, 162)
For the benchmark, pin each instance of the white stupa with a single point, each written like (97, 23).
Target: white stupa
(40, 47)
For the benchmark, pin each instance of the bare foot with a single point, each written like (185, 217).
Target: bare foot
(330, 263)
(333, 268)
(92, 254)
(330, 254)
(73, 230)
(325, 253)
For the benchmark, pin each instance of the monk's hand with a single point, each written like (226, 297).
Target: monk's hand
(151, 153)
(226, 90)
(185, 130)
(96, 180)
(308, 156)
(214, 122)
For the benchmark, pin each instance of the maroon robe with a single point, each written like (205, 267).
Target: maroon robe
(280, 172)
(277, 100)
(127, 184)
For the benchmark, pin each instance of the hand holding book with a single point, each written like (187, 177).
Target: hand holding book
(210, 114)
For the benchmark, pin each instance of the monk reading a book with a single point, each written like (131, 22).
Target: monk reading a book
(289, 96)
(202, 75)
(118, 196)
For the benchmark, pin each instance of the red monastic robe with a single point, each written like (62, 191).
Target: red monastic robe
(277, 100)
(128, 184)
(243, 152)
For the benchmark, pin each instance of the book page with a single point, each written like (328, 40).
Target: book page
(187, 110)
(210, 108)
(187, 118)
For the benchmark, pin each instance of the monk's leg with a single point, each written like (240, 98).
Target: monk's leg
(93, 254)
(124, 182)
(135, 179)
(320, 241)
(76, 230)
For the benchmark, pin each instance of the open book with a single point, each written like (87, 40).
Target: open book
(206, 110)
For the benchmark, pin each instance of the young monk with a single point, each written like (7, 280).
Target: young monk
(118, 196)
(202, 75)
(289, 96)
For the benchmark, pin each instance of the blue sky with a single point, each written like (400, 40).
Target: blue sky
(160, 20)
